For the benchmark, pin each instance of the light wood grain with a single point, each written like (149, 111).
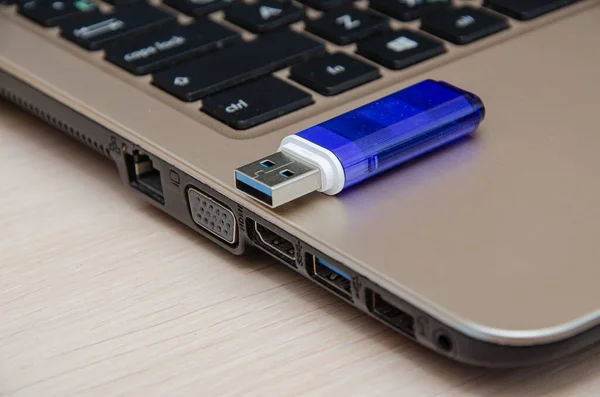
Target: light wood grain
(103, 295)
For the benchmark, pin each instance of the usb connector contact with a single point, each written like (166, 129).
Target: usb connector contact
(364, 142)
(278, 178)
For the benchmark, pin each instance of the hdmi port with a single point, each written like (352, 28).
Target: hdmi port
(274, 244)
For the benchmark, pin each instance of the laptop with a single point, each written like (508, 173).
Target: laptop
(485, 251)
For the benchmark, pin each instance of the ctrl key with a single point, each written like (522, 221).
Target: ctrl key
(256, 102)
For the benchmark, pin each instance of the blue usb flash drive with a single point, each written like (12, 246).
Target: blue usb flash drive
(364, 142)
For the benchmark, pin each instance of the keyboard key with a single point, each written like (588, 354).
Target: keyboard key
(462, 25)
(96, 30)
(333, 74)
(51, 12)
(346, 25)
(234, 65)
(400, 49)
(325, 5)
(263, 16)
(155, 50)
(407, 10)
(256, 102)
(526, 9)
(197, 7)
(118, 3)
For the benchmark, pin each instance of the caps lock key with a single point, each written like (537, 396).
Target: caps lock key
(150, 52)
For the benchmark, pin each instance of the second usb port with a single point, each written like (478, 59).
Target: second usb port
(389, 313)
(330, 275)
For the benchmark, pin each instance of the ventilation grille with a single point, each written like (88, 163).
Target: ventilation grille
(55, 122)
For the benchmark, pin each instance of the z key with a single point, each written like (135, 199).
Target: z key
(346, 25)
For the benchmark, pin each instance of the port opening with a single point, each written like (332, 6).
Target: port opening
(272, 242)
(390, 314)
(330, 275)
(143, 176)
(212, 215)
(444, 342)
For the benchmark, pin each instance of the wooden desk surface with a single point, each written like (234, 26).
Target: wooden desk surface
(103, 295)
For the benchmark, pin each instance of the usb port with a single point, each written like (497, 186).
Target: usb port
(331, 276)
(390, 314)
(272, 242)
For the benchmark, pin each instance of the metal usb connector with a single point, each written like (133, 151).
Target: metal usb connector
(278, 178)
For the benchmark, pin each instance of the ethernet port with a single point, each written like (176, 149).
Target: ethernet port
(390, 313)
(143, 176)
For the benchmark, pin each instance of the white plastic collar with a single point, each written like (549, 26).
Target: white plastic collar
(332, 172)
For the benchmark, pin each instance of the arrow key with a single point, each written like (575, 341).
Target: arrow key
(263, 16)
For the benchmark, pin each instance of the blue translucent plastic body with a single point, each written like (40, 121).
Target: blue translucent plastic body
(397, 128)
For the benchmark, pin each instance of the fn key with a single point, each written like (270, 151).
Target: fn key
(256, 102)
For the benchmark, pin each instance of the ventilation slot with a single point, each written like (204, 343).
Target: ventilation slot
(55, 122)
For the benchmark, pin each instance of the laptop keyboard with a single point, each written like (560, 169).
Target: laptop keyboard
(210, 60)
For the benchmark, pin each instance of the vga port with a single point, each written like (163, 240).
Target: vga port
(212, 216)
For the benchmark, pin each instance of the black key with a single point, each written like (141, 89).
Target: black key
(120, 2)
(407, 10)
(526, 9)
(155, 50)
(52, 12)
(264, 15)
(197, 7)
(333, 74)
(325, 5)
(256, 102)
(346, 25)
(400, 49)
(462, 25)
(223, 69)
(95, 31)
